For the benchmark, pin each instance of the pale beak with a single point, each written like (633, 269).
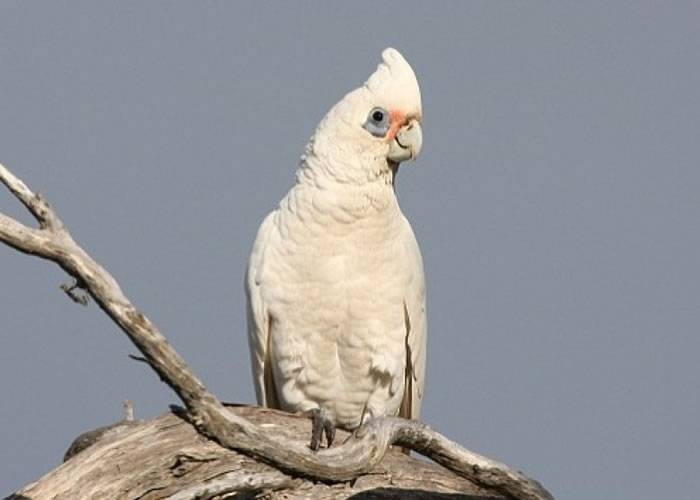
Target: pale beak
(407, 143)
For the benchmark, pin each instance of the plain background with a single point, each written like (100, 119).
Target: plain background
(556, 203)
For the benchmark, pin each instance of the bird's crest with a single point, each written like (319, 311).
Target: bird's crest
(396, 82)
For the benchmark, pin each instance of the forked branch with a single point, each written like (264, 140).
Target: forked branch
(361, 453)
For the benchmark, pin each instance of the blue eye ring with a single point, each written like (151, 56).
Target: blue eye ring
(378, 122)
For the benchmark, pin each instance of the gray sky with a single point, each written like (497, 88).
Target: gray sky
(556, 203)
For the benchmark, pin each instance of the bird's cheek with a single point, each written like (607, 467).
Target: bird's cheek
(398, 120)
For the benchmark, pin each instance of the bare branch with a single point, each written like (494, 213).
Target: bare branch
(358, 455)
(23, 238)
(35, 203)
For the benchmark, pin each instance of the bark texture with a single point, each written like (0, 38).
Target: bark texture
(166, 458)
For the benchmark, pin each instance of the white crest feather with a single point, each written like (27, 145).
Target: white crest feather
(396, 82)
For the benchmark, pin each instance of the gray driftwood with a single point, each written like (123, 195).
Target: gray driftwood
(167, 458)
(358, 456)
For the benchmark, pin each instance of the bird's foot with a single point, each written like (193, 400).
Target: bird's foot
(321, 424)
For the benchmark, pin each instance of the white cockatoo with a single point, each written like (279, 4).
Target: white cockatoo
(335, 286)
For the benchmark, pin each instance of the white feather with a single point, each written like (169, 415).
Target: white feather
(335, 286)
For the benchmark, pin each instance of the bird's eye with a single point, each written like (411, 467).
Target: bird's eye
(377, 122)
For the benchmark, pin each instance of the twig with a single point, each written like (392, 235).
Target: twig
(78, 298)
(356, 456)
(140, 359)
(128, 409)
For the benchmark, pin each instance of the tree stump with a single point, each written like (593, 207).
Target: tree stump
(167, 458)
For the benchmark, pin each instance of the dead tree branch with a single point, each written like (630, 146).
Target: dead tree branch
(361, 453)
(165, 457)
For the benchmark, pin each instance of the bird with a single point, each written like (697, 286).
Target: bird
(335, 287)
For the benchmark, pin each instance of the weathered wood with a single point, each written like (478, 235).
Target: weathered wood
(87, 439)
(356, 457)
(167, 458)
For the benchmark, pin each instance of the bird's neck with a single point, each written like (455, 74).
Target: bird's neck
(356, 191)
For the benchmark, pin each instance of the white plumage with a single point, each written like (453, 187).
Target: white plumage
(335, 285)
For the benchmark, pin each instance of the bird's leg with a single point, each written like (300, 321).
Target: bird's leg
(329, 428)
(321, 424)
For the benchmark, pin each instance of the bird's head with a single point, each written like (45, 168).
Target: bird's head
(393, 118)
(378, 125)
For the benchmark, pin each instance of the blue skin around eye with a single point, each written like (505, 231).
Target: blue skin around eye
(377, 128)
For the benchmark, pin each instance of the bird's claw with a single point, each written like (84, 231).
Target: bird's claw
(321, 424)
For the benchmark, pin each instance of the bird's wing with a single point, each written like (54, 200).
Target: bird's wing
(416, 331)
(258, 319)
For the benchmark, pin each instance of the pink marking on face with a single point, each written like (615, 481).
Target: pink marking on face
(398, 120)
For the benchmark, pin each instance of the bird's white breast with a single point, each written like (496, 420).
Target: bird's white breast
(334, 283)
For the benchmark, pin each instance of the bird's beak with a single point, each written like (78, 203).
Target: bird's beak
(407, 143)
